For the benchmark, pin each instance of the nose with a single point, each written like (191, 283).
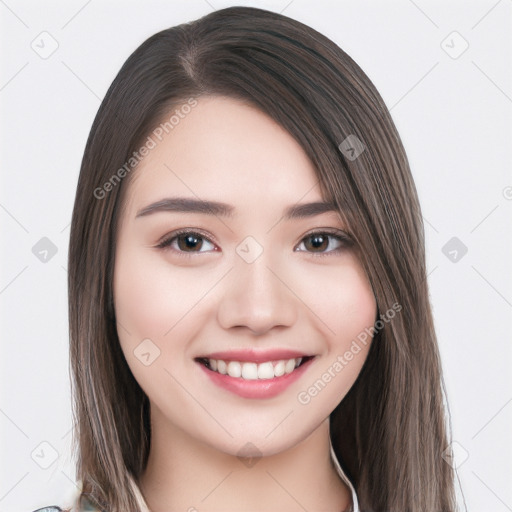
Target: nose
(257, 297)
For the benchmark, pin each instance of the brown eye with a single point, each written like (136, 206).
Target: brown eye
(317, 242)
(189, 242)
(186, 242)
(322, 242)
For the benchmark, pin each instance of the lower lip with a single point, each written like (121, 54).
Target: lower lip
(256, 388)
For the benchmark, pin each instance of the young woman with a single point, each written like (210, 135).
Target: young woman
(249, 312)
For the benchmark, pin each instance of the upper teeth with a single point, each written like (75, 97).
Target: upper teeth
(253, 371)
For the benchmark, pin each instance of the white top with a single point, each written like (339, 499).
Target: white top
(355, 505)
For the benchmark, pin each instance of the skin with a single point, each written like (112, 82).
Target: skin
(292, 296)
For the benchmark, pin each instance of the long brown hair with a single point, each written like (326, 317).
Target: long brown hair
(390, 430)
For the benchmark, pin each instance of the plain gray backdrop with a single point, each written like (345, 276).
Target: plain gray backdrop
(443, 69)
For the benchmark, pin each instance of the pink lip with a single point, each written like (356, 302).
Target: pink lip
(255, 356)
(258, 388)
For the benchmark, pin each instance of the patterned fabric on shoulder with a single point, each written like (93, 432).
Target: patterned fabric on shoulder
(50, 509)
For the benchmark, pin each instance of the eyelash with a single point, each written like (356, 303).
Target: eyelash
(346, 241)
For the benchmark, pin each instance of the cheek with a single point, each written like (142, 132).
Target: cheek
(144, 301)
(160, 302)
(150, 299)
(342, 299)
(148, 306)
(353, 312)
(157, 314)
(345, 309)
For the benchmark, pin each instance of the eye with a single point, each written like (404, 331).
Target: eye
(185, 241)
(324, 242)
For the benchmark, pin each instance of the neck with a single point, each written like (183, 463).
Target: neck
(185, 474)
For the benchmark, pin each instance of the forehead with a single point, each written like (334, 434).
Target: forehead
(227, 150)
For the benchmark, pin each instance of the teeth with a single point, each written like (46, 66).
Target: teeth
(234, 369)
(289, 366)
(222, 367)
(250, 371)
(279, 369)
(254, 371)
(265, 371)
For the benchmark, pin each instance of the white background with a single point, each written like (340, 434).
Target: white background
(454, 117)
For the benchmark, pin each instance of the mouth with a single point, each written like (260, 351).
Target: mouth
(255, 376)
(252, 370)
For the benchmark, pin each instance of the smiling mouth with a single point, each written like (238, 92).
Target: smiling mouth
(246, 370)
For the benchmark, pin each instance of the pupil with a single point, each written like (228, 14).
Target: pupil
(190, 242)
(318, 241)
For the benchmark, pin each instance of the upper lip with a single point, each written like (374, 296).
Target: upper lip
(255, 356)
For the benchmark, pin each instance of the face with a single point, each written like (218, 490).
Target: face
(274, 299)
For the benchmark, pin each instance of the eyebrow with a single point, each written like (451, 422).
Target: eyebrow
(190, 205)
